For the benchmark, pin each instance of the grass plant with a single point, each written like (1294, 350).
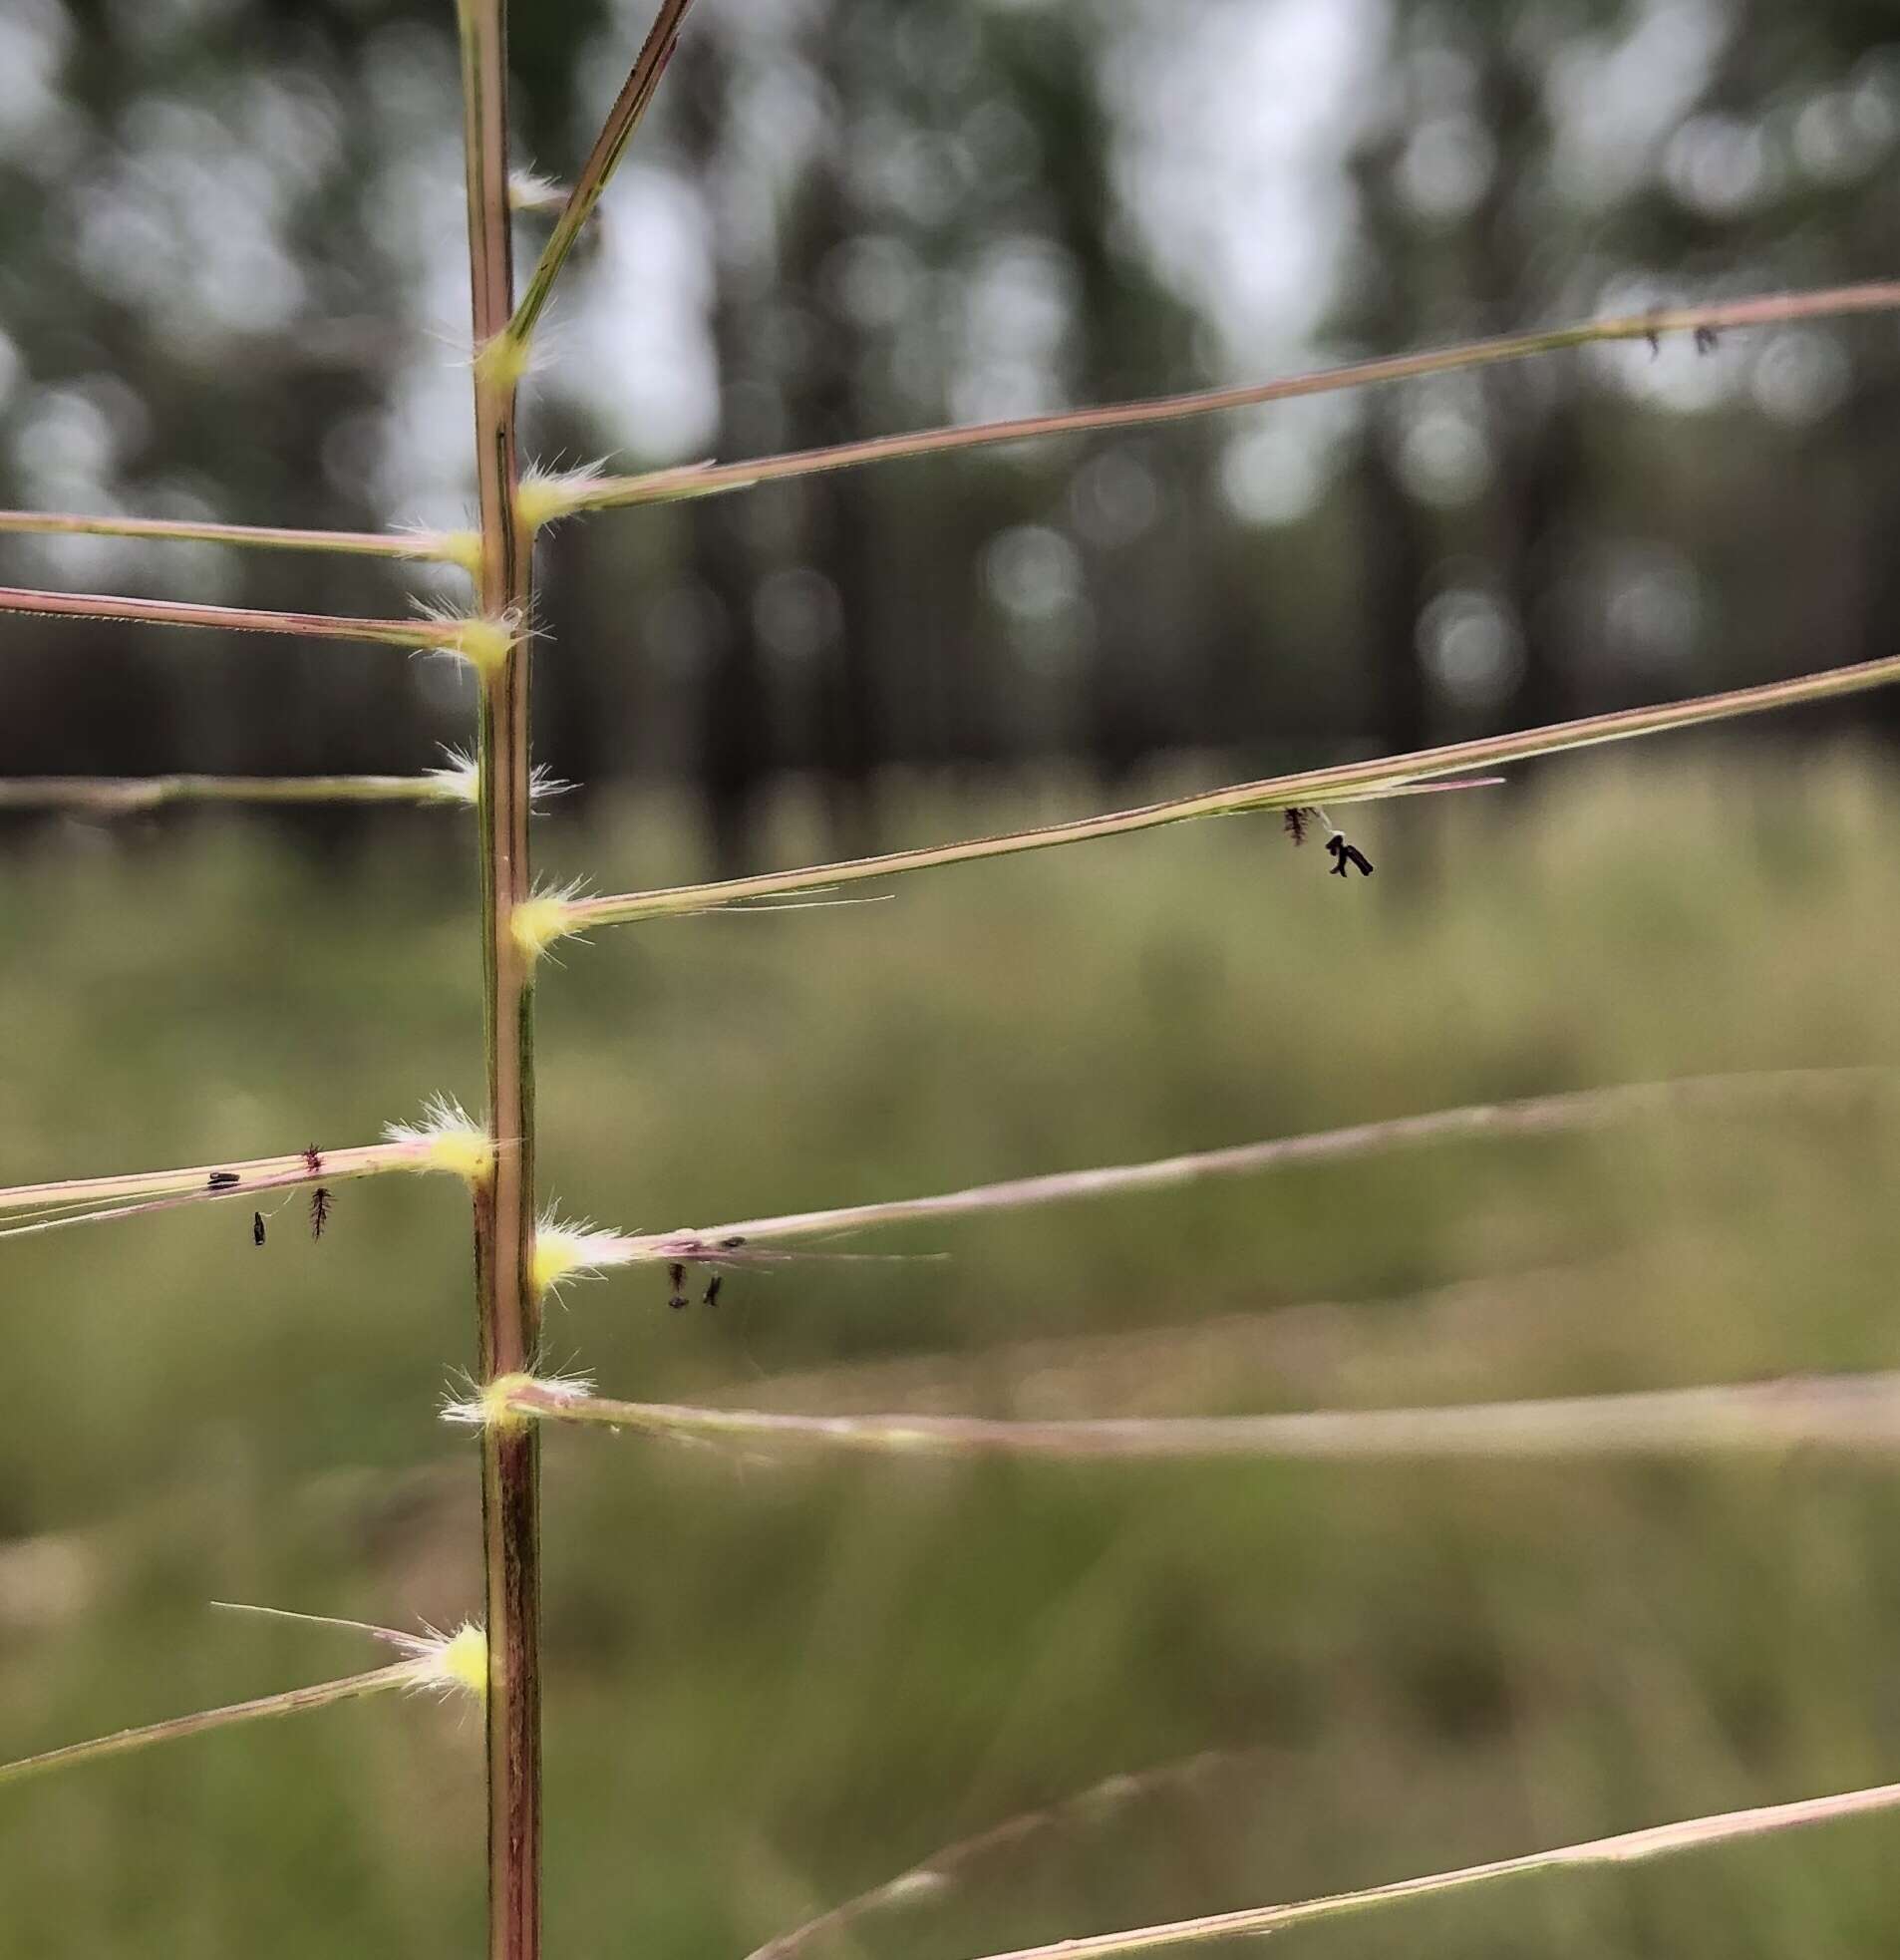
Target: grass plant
(523, 1252)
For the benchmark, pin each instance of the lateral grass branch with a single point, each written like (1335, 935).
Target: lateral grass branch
(483, 641)
(1853, 1414)
(563, 914)
(455, 1663)
(445, 1140)
(1701, 323)
(1567, 1113)
(457, 782)
(129, 796)
(448, 547)
(448, 1139)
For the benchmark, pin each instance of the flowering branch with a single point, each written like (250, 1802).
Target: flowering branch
(585, 493)
(1570, 1111)
(623, 118)
(126, 795)
(556, 918)
(1847, 1413)
(450, 547)
(464, 636)
(457, 1662)
(444, 1140)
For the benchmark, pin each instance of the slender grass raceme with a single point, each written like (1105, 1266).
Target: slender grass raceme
(524, 1251)
(444, 1140)
(127, 796)
(1628, 1847)
(454, 1663)
(1854, 1414)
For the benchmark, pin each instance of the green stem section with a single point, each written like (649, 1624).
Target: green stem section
(451, 547)
(508, 1310)
(665, 486)
(1346, 783)
(622, 120)
(1847, 1413)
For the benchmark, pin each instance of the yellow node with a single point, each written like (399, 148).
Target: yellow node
(464, 548)
(446, 1138)
(465, 1660)
(557, 1255)
(503, 362)
(483, 643)
(492, 1400)
(538, 922)
(541, 500)
(470, 1154)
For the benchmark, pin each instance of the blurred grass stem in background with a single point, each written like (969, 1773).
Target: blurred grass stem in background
(1628, 1847)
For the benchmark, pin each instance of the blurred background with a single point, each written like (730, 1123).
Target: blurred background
(231, 285)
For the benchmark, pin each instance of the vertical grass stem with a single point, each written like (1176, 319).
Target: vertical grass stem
(506, 1309)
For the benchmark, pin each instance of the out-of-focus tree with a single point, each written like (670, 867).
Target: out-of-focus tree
(211, 221)
(942, 243)
(1566, 535)
(225, 288)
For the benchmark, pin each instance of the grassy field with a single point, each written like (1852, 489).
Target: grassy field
(772, 1685)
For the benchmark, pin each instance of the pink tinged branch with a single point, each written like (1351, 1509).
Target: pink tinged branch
(1839, 1414)
(589, 1251)
(1569, 1112)
(1343, 782)
(450, 547)
(445, 1140)
(446, 635)
(708, 479)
